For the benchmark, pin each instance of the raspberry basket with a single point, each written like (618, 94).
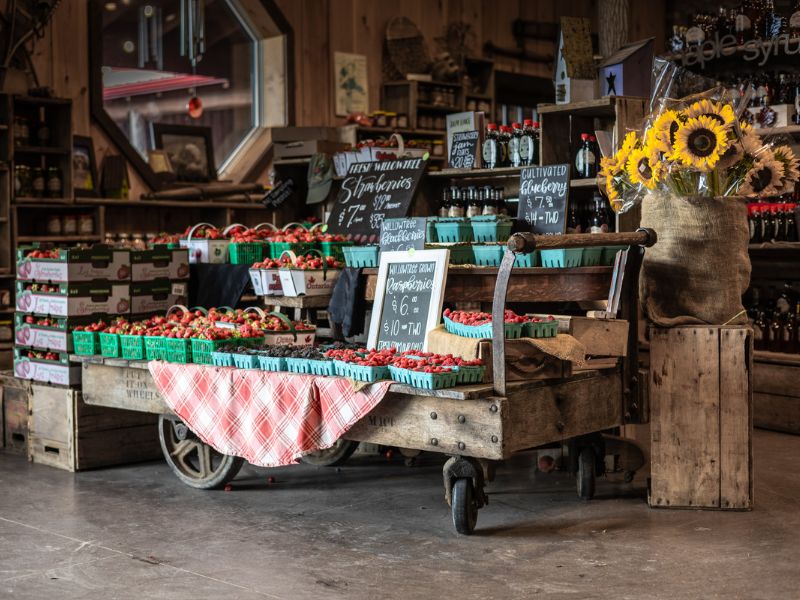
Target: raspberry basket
(359, 372)
(540, 329)
(470, 374)
(513, 331)
(420, 379)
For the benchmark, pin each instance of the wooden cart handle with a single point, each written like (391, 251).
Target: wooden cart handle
(524, 243)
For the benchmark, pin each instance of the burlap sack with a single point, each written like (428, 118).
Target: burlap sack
(698, 270)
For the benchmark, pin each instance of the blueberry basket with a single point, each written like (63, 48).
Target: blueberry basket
(610, 254)
(513, 330)
(527, 260)
(322, 367)
(222, 359)
(272, 363)
(452, 231)
(462, 254)
(430, 230)
(489, 255)
(244, 361)
(298, 365)
(490, 228)
(540, 329)
(564, 258)
(359, 372)
(420, 379)
(591, 256)
(361, 256)
(470, 374)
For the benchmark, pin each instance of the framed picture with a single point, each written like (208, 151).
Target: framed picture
(190, 151)
(84, 167)
(352, 92)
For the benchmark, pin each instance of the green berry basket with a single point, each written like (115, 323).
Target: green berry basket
(178, 350)
(513, 331)
(322, 367)
(109, 344)
(132, 346)
(540, 329)
(610, 254)
(244, 361)
(488, 255)
(154, 347)
(490, 228)
(202, 349)
(359, 372)
(560, 259)
(430, 230)
(298, 365)
(527, 260)
(334, 249)
(245, 253)
(591, 257)
(85, 343)
(271, 363)
(360, 256)
(453, 231)
(222, 359)
(470, 374)
(420, 379)
(461, 254)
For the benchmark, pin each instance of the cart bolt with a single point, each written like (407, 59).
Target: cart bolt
(493, 408)
(434, 442)
(560, 426)
(433, 416)
(462, 419)
(494, 439)
(461, 445)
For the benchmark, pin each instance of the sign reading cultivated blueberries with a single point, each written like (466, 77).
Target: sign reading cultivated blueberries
(543, 195)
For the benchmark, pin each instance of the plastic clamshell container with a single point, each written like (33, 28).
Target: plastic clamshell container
(563, 258)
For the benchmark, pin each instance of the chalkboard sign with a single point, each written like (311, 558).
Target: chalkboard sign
(543, 198)
(402, 234)
(408, 298)
(464, 149)
(372, 192)
(279, 194)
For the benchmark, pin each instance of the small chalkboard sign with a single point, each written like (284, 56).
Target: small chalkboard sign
(402, 234)
(464, 150)
(279, 194)
(543, 195)
(408, 298)
(372, 192)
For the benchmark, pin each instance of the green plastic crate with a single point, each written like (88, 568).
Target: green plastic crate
(85, 343)
(462, 254)
(334, 249)
(361, 256)
(178, 350)
(278, 248)
(560, 259)
(490, 229)
(154, 347)
(430, 230)
(132, 346)
(245, 253)
(202, 349)
(591, 256)
(453, 231)
(542, 329)
(109, 345)
(489, 255)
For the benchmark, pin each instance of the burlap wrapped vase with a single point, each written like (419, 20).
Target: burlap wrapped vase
(699, 269)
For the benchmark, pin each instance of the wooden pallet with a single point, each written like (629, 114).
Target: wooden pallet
(15, 393)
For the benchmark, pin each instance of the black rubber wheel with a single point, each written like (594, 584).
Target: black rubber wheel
(586, 474)
(331, 457)
(463, 506)
(195, 463)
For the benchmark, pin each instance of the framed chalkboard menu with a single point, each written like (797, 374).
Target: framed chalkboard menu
(408, 298)
(543, 193)
(372, 192)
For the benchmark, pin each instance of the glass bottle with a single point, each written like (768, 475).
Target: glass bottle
(742, 25)
(788, 335)
(491, 148)
(791, 223)
(537, 143)
(444, 205)
(456, 209)
(574, 220)
(474, 208)
(675, 43)
(500, 200)
(754, 221)
(489, 201)
(772, 21)
(585, 160)
(775, 333)
(599, 222)
(514, 154)
(503, 139)
(526, 143)
(760, 331)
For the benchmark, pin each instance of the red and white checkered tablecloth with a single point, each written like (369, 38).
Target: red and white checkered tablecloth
(270, 419)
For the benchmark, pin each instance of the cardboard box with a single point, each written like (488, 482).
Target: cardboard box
(301, 149)
(313, 282)
(57, 335)
(159, 262)
(298, 134)
(47, 371)
(75, 264)
(266, 282)
(157, 296)
(74, 299)
(202, 250)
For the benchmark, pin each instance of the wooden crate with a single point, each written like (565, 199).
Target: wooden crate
(68, 434)
(776, 397)
(701, 417)
(15, 393)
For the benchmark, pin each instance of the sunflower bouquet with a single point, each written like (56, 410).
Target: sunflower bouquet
(696, 147)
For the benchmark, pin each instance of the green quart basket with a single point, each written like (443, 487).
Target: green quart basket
(132, 346)
(560, 259)
(245, 253)
(109, 345)
(202, 349)
(85, 343)
(178, 350)
(490, 229)
(334, 249)
(513, 331)
(489, 255)
(361, 256)
(540, 329)
(154, 347)
(591, 257)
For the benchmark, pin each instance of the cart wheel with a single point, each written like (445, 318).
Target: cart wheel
(196, 464)
(331, 457)
(586, 474)
(463, 506)
(628, 476)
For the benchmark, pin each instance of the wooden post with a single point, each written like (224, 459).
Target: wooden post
(701, 417)
(612, 25)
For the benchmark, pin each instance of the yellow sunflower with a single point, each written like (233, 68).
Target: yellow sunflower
(628, 144)
(751, 143)
(664, 129)
(787, 158)
(700, 142)
(721, 113)
(609, 170)
(644, 168)
(764, 179)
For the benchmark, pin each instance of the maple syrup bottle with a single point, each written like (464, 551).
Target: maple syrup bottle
(514, 154)
(526, 141)
(491, 148)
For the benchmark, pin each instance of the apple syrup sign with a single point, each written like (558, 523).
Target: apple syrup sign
(543, 198)
(372, 192)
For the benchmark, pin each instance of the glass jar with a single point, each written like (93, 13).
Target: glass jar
(438, 148)
(22, 181)
(54, 225)
(86, 224)
(391, 120)
(402, 121)
(69, 225)
(137, 241)
(43, 134)
(380, 118)
(55, 188)
(38, 182)
(21, 131)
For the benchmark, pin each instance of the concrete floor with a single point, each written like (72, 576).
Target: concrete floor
(378, 530)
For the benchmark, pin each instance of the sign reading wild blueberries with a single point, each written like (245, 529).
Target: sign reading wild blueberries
(464, 149)
(372, 192)
(402, 234)
(543, 195)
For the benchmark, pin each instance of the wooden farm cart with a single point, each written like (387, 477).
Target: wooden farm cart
(475, 424)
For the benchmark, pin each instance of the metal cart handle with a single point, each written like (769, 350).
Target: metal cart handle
(525, 243)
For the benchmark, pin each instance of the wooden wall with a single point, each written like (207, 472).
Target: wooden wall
(322, 27)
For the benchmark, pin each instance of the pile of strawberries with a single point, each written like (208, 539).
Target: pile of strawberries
(166, 238)
(39, 253)
(476, 319)
(44, 288)
(42, 355)
(208, 232)
(41, 321)
(412, 360)
(307, 262)
(96, 326)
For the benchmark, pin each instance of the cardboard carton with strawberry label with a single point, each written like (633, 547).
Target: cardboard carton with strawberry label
(73, 299)
(310, 275)
(266, 278)
(156, 296)
(51, 333)
(40, 262)
(206, 244)
(159, 262)
(45, 366)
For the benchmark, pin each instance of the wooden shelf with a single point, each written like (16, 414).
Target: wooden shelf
(292, 161)
(787, 130)
(58, 238)
(776, 357)
(41, 201)
(438, 108)
(401, 131)
(600, 107)
(110, 202)
(583, 183)
(41, 150)
(479, 173)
